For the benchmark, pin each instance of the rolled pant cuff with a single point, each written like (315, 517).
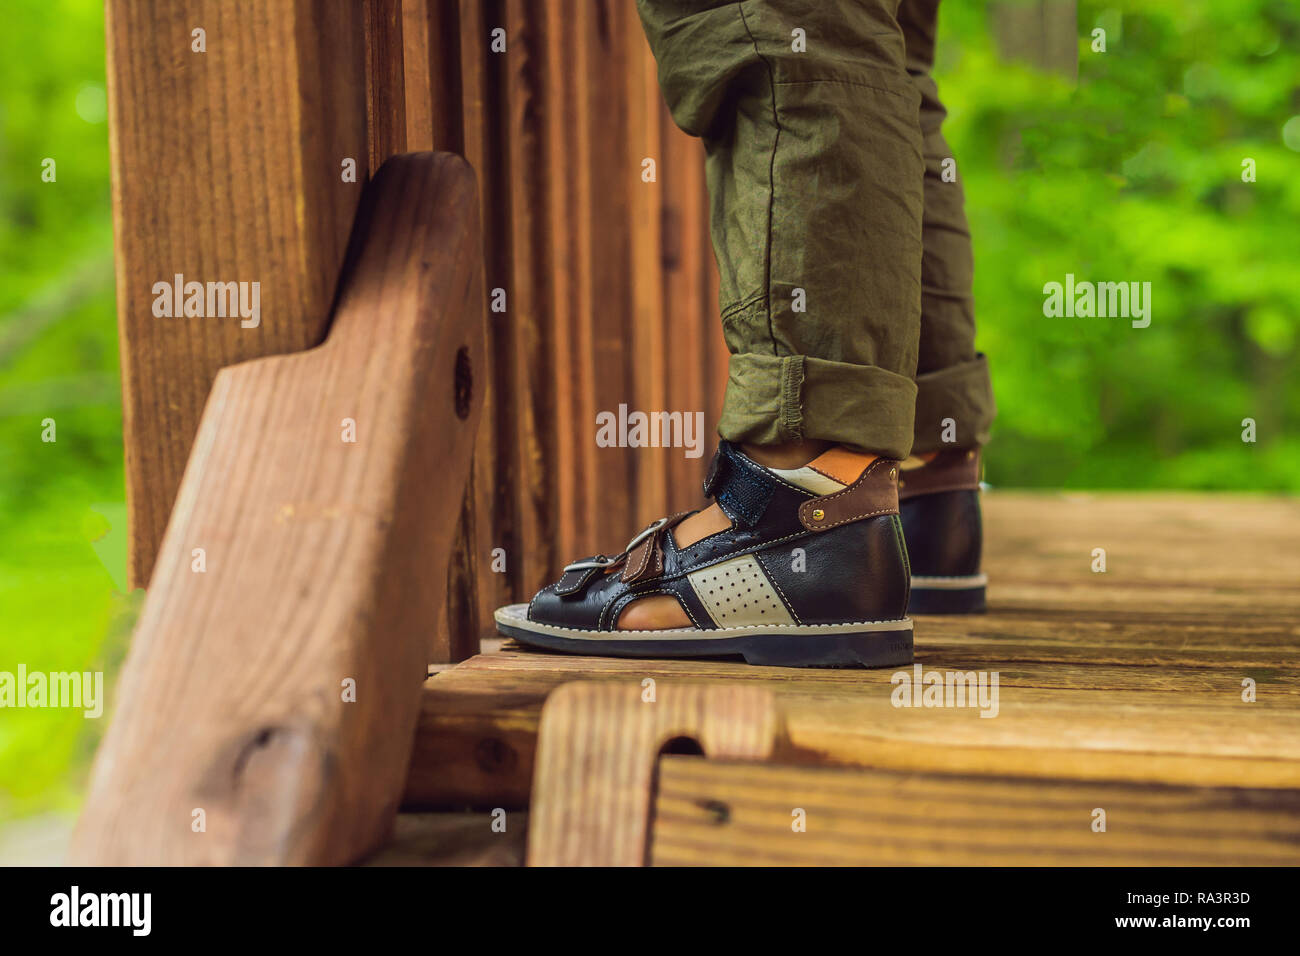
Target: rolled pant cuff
(774, 398)
(962, 393)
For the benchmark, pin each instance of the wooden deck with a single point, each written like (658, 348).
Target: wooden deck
(1120, 690)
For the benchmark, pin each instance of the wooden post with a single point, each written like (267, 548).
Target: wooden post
(266, 710)
(229, 127)
(597, 751)
(555, 106)
(609, 281)
(483, 146)
(1043, 33)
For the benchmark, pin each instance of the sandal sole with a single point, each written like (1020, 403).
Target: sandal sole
(948, 595)
(868, 644)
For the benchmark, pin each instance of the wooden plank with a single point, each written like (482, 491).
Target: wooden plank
(432, 68)
(605, 245)
(573, 407)
(1042, 33)
(478, 725)
(484, 147)
(431, 63)
(717, 813)
(649, 384)
(226, 167)
(323, 564)
(691, 321)
(529, 383)
(385, 80)
(597, 751)
(414, 102)
(446, 107)
(454, 839)
(583, 512)
(1135, 674)
(556, 127)
(417, 79)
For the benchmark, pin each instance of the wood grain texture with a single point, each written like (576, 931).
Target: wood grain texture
(555, 127)
(1135, 674)
(692, 333)
(325, 562)
(573, 464)
(529, 383)
(434, 120)
(225, 167)
(597, 751)
(485, 148)
(454, 839)
(652, 355)
(421, 48)
(385, 80)
(1043, 33)
(604, 226)
(715, 813)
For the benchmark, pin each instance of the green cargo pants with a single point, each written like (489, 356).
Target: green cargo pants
(844, 256)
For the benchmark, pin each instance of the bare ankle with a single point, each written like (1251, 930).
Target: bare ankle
(791, 454)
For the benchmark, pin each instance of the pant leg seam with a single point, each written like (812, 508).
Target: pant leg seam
(791, 395)
(946, 293)
(771, 175)
(742, 305)
(833, 81)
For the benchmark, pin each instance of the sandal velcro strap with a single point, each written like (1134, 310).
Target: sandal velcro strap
(571, 582)
(643, 558)
(646, 560)
(741, 488)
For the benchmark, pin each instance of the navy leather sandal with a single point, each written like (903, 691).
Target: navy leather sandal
(941, 519)
(812, 572)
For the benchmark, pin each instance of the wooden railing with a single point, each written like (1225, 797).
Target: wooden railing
(608, 280)
(267, 705)
(299, 431)
(229, 165)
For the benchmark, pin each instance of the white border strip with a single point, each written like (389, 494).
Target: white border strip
(950, 584)
(516, 615)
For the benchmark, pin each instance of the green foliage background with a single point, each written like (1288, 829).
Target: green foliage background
(61, 503)
(1135, 174)
(1132, 174)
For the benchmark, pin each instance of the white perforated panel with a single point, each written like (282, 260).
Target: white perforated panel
(738, 593)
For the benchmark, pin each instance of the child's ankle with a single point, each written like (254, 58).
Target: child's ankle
(792, 454)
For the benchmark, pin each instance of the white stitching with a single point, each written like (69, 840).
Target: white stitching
(868, 514)
(772, 581)
(535, 597)
(849, 490)
(647, 546)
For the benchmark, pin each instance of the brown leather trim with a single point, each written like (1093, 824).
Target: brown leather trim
(874, 493)
(646, 560)
(955, 469)
(840, 464)
(639, 560)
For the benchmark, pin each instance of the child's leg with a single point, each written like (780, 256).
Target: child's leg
(952, 379)
(814, 168)
(815, 177)
(954, 401)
